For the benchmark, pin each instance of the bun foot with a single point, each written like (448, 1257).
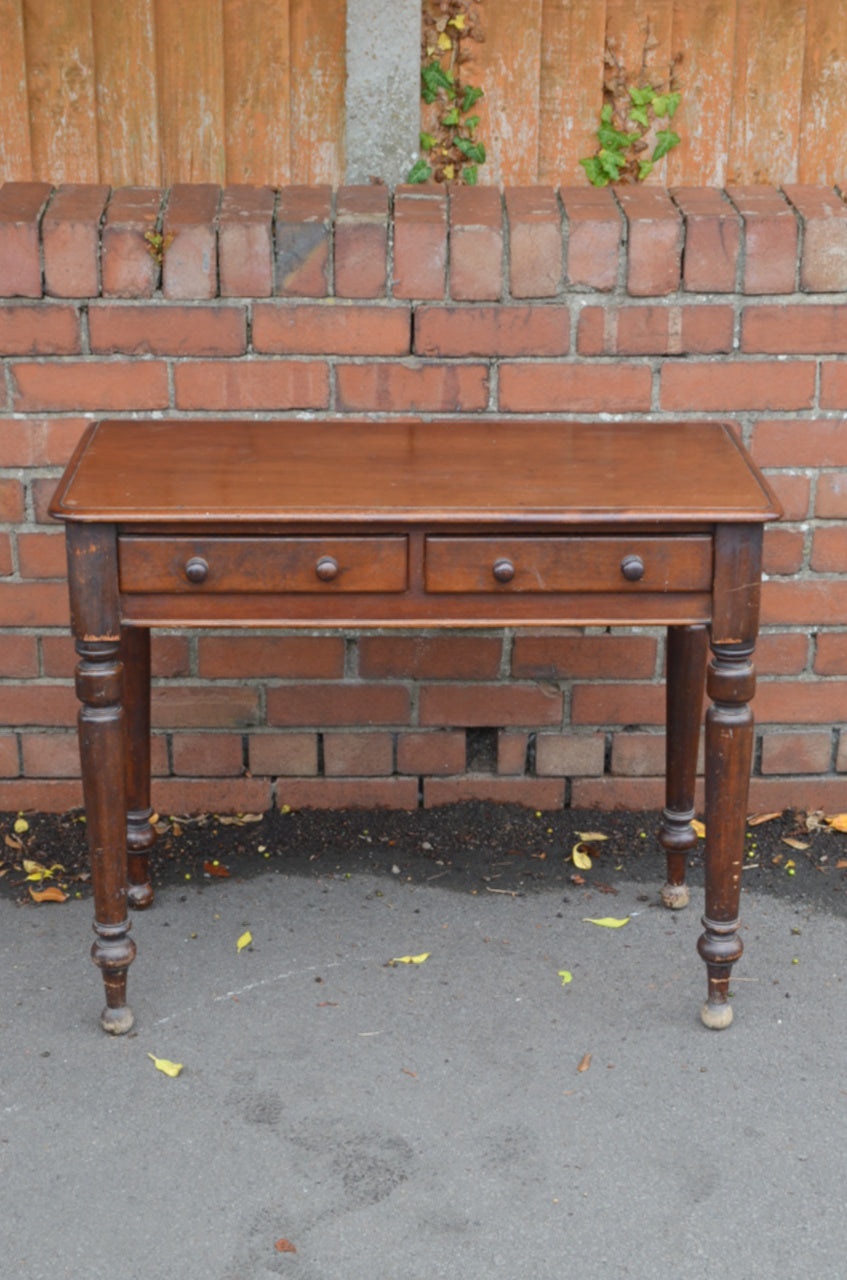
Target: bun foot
(117, 1021)
(716, 1016)
(140, 896)
(675, 896)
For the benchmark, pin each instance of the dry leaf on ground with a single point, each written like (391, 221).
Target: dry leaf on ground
(580, 857)
(51, 894)
(164, 1065)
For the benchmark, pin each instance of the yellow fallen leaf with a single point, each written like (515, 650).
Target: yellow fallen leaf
(585, 1064)
(591, 835)
(35, 871)
(449, 172)
(444, 41)
(51, 894)
(795, 844)
(21, 825)
(162, 1064)
(607, 922)
(756, 819)
(565, 976)
(458, 22)
(411, 959)
(699, 828)
(838, 822)
(244, 940)
(580, 857)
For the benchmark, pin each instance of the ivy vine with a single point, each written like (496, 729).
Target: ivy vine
(452, 150)
(635, 121)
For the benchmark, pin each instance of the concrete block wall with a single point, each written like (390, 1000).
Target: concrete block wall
(195, 302)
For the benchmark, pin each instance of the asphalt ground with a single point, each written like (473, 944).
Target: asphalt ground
(418, 1121)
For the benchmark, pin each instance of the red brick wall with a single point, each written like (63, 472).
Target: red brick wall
(308, 301)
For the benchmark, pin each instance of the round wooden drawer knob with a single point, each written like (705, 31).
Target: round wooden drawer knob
(327, 568)
(503, 570)
(196, 569)
(632, 568)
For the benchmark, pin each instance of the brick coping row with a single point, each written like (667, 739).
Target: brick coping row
(474, 244)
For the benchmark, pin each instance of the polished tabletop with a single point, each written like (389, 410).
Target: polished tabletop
(312, 471)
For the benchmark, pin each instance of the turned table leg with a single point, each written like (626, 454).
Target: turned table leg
(101, 744)
(686, 669)
(730, 684)
(140, 832)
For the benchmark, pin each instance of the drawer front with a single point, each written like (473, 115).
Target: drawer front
(272, 565)
(598, 563)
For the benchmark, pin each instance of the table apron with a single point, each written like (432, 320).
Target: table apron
(354, 611)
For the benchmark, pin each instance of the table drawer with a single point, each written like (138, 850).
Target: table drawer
(278, 565)
(598, 563)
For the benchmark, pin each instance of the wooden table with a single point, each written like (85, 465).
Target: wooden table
(412, 524)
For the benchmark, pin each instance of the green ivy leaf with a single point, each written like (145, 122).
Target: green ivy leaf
(666, 140)
(472, 94)
(615, 139)
(645, 167)
(639, 115)
(594, 172)
(469, 173)
(665, 104)
(611, 163)
(419, 172)
(452, 118)
(471, 150)
(427, 141)
(433, 78)
(471, 122)
(641, 97)
(606, 114)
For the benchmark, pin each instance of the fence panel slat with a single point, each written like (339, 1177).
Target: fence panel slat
(127, 107)
(15, 158)
(159, 91)
(60, 73)
(823, 116)
(257, 72)
(508, 66)
(767, 83)
(189, 40)
(318, 43)
(573, 36)
(705, 35)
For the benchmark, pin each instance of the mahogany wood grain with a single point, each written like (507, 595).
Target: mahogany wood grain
(458, 524)
(568, 473)
(140, 832)
(263, 564)
(686, 669)
(569, 564)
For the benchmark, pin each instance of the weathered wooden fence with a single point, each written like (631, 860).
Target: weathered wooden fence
(159, 91)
